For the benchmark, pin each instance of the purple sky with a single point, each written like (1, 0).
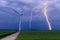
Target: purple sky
(26, 6)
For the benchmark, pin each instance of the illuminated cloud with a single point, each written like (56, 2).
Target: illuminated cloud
(52, 4)
(26, 7)
(3, 3)
(28, 1)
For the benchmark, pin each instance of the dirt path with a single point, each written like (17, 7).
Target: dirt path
(11, 37)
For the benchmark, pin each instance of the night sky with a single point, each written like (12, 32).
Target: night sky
(9, 19)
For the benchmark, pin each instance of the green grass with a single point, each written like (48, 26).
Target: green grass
(4, 33)
(39, 35)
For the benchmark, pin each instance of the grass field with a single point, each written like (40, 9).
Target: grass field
(4, 33)
(39, 35)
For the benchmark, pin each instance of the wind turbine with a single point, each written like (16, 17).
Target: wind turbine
(19, 14)
(30, 23)
(20, 17)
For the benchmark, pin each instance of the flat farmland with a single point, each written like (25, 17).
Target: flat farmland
(39, 35)
(4, 33)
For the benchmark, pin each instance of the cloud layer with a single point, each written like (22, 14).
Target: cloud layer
(28, 5)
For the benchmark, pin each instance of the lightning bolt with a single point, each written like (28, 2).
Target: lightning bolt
(46, 16)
